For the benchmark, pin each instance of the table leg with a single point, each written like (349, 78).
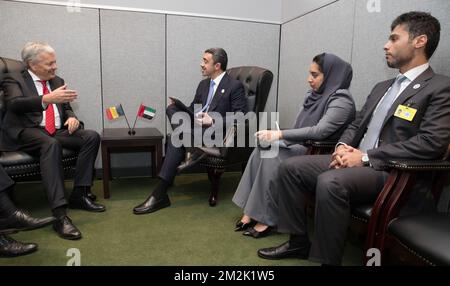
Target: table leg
(106, 171)
(158, 157)
(153, 153)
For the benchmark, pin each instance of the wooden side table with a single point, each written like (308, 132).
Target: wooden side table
(117, 140)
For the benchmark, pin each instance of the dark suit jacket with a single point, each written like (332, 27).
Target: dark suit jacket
(425, 137)
(232, 99)
(24, 107)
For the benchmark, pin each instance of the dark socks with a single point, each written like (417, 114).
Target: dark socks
(78, 192)
(161, 189)
(7, 206)
(296, 240)
(59, 212)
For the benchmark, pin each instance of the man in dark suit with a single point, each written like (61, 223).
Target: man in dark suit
(218, 93)
(40, 121)
(407, 117)
(13, 220)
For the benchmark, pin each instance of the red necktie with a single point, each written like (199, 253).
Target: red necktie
(49, 112)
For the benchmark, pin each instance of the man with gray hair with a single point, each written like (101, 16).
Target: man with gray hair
(40, 121)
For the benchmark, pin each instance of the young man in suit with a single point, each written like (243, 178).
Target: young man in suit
(13, 220)
(356, 172)
(40, 121)
(217, 93)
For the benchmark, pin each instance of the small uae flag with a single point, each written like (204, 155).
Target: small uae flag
(146, 112)
(115, 112)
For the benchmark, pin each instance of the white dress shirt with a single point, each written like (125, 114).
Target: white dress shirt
(217, 82)
(410, 75)
(40, 91)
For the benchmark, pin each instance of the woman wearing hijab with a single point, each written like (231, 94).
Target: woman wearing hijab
(326, 111)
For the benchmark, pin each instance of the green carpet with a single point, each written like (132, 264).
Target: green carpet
(190, 232)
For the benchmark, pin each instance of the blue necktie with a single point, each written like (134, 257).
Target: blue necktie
(210, 97)
(373, 130)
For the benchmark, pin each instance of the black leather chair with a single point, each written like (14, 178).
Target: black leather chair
(421, 238)
(374, 220)
(19, 165)
(257, 82)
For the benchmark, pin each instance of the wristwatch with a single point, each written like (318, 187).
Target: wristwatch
(365, 160)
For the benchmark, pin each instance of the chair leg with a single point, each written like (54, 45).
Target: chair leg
(377, 209)
(214, 176)
(391, 210)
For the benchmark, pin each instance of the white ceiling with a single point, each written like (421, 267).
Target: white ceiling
(267, 11)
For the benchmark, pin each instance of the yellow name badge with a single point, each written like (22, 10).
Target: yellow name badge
(405, 112)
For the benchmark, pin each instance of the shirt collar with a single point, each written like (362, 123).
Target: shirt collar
(34, 76)
(218, 79)
(413, 73)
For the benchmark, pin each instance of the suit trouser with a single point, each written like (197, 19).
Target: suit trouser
(5, 181)
(334, 190)
(37, 142)
(174, 155)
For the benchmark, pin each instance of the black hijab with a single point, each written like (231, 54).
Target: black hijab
(337, 75)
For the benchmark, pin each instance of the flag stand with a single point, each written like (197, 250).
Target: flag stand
(131, 132)
(134, 124)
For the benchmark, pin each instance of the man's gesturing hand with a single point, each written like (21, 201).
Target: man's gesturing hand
(60, 95)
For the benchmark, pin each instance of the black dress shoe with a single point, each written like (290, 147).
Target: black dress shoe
(152, 204)
(8, 231)
(20, 220)
(191, 160)
(66, 229)
(257, 234)
(285, 250)
(83, 191)
(240, 226)
(85, 203)
(211, 151)
(12, 248)
(91, 196)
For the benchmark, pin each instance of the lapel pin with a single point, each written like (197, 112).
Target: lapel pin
(222, 91)
(416, 86)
